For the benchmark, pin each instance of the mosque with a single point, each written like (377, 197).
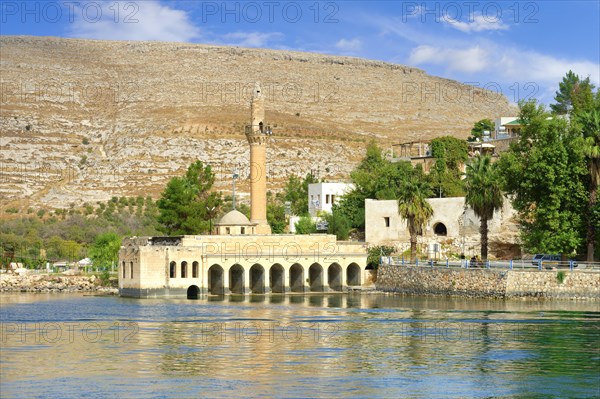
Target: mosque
(243, 257)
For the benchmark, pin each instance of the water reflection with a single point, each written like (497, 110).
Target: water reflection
(301, 345)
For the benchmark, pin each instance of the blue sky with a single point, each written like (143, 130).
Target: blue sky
(521, 48)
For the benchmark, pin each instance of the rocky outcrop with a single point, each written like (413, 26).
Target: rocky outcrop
(85, 120)
(52, 283)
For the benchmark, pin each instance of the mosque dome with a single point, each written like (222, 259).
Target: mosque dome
(234, 218)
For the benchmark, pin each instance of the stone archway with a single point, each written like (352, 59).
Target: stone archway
(193, 292)
(257, 279)
(296, 278)
(236, 279)
(315, 277)
(215, 280)
(439, 229)
(334, 277)
(353, 273)
(276, 279)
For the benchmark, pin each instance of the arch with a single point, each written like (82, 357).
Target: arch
(276, 278)
(439, 229)
(195, 269)
(296, 278)
(193, 292)
(257, 279)
(172, 269)
(215, 280)
(353, 273)
(334, 277)
(184, 269)
(236, 279)
(315, 277)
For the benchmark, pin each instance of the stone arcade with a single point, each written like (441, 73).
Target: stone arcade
(244, 257)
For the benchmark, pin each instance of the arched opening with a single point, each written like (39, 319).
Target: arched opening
(276, 281)
(172, 269)
(257, 279)
(236, 279)
(296, 278)
(195, 270)
(184, 269)
(439, 229)
(215, 280)
(193, 292)
(124, 269)
(334, 277)
(353, 275)
(315, 277)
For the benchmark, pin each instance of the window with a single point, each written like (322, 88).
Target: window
(172, 267)
(332, 199)
(195, 270)
(327, 198)
(131, 269)
(387, 221)
(184, 269)
(243, 229)
(123, 269)
(227, 230)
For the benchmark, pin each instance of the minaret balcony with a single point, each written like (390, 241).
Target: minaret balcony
(259, 129)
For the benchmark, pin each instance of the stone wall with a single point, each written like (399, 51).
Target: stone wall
(488, 283)
(52, 283)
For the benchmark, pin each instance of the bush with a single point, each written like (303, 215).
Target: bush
(376, 252)
(305, 225)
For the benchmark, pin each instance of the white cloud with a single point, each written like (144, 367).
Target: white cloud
(349, 45)
(140, 20)
(476, 23)
(250, 39)
(470, 60)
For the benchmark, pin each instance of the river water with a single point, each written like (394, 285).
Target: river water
(321, 346)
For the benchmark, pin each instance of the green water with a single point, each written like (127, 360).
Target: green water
(369, 346)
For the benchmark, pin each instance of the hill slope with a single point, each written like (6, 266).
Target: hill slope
(83, 120)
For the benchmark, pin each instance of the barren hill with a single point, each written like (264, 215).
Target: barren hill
(84, 120)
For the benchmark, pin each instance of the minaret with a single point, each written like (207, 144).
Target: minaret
(257, 134)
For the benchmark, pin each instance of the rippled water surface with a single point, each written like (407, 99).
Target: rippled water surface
(369, 346)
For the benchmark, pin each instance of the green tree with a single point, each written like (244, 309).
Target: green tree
(305, 225)
(275, 213)
(450, 154)
(377, 178)
(573, 94)
(296, 192)
(545, 172)
(484, 194)
(104, 252)
(478, 129)
(186, 202)
(338, 224)
(589, 123)
(414, 208)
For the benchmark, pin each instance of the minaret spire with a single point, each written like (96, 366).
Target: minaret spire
(257, 133)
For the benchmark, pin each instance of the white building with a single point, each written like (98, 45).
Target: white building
(453, 228)
(500, 130)
(322, 196)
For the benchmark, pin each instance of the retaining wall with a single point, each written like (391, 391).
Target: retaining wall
(489, 283)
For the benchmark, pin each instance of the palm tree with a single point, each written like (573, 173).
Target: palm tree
(590, 123)
(413, 207)
(484, 195)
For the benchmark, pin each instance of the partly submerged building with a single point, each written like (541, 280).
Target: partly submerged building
(243, 257)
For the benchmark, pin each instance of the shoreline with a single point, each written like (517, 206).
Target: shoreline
(49, 283)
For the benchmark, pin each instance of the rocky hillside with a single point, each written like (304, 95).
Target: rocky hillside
(84, 120)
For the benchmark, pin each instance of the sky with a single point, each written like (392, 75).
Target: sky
(521, 49)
